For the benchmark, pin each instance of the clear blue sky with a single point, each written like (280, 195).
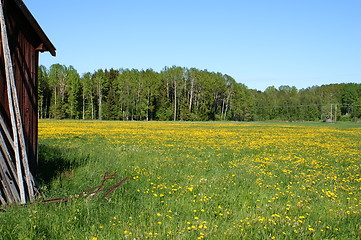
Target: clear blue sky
(258, 43)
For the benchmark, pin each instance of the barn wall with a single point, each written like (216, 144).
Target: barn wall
(23, 43)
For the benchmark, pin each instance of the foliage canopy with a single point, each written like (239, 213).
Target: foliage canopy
(187, 94)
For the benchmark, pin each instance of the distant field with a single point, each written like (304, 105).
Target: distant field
(195, 180)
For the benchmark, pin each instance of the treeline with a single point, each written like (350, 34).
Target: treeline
(175, 93)
(326, 102)
(187, 94)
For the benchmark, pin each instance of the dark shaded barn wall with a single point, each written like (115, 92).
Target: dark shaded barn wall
(25, 43)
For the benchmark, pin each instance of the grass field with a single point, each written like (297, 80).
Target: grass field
(196, 181)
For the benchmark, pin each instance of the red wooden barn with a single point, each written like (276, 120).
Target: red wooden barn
(25, 40)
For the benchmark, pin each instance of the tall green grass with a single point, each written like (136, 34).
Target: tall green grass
(194, 181)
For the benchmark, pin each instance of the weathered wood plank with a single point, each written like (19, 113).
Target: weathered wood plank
(7, 156)
(9, 187)
(6, 131)
(2, 200)
(8, 195)
(10, 79)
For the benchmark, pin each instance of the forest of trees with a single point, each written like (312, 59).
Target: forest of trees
(187, 94)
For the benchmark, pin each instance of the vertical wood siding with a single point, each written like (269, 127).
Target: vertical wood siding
(23, 42)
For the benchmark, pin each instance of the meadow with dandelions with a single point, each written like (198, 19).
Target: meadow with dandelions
(195, 180)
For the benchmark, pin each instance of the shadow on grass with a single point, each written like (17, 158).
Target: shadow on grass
(55, 161)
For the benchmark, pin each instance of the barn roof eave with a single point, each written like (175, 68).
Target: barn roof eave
(47, 45)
